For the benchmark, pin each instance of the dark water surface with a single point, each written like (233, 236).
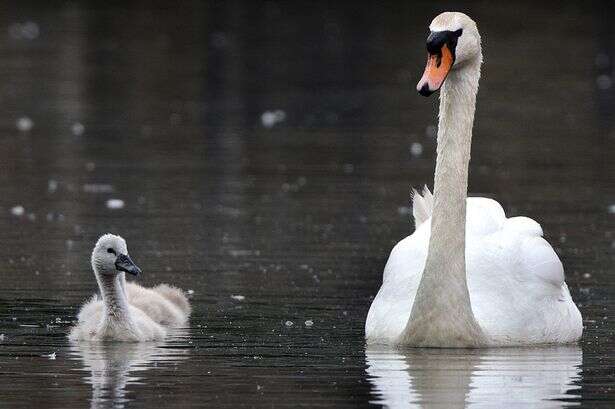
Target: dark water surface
(298, 217)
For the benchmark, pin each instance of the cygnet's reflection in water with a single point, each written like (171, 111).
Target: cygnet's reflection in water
(503, 377)
(114, 365)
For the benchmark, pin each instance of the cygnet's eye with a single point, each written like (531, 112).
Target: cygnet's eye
(110, 250)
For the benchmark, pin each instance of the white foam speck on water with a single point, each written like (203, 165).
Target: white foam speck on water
(52, 185)
(587, 275)
(404, 210)
(243, 253)
(51, 356)
(24, 31)
(238, 297)
(77, 129)
(190, 292)
(115, 204)
(416, 149)
(2, 337)
(612, 209)
(24, 124)
(18, 211)
(309, 323)
(602, 61)
(348, 168)
(431, 131)
(289, 323)
(98, 188)
(270, 118)
(604, 82)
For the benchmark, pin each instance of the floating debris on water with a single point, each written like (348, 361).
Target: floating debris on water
(404, 210)
(431, 131)
(604, 82)
(98, 188)
(24, 31)
(18, 211)
(289, 323)
(52, 185)
(2, 337)
(190, 292)
(416, 149)
(51, 356)
(24, 124)
(238, 297)
(348, 168)
(77, 129)
(244, 253)
(587, 275)
(612, 209)
(309, 323)
(602, 61)
(115, 204)
(270, 118)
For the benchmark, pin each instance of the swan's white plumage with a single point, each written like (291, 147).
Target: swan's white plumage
(515, 279)
(165, 304)
(92, 326)
(467, 276)
(422, 206)
(126, 311)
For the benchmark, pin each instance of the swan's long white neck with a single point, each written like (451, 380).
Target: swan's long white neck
(442, 314)
(115, 301)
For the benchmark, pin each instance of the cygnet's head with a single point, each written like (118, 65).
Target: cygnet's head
(110, 256)
(453, 42)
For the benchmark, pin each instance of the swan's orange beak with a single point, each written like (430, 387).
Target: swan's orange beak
(436, 70)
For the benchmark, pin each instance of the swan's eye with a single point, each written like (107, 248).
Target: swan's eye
(110, 250)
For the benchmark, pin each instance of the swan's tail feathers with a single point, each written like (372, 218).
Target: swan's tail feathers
(422, 205)
(174, 295)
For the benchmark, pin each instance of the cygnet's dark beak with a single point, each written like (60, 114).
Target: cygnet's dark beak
(124, 263)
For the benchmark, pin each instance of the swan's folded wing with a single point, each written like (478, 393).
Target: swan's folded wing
(175, 295)
(390, 310)
(539, 259)
(484, 216)
(535, 256)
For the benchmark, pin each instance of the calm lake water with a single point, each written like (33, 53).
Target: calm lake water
(267, 150)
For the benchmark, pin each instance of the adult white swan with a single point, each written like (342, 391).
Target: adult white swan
(468, 276)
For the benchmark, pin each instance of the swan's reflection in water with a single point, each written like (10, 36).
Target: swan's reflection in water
(115, 365)
(506, 377)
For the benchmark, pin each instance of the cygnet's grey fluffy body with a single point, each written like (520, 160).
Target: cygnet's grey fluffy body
(126, 311)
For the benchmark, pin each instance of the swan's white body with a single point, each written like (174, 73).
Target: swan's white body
(468, 276)
(515, 280)
(127, 311)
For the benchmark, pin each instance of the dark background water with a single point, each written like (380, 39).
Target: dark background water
(161, 106)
